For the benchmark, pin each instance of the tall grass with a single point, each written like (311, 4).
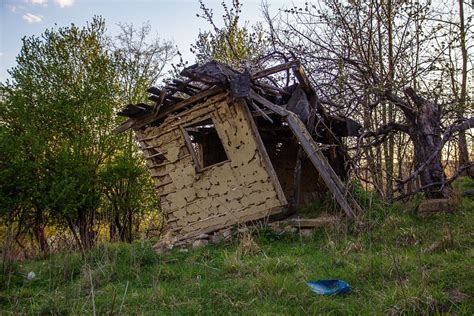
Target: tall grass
(396, 263)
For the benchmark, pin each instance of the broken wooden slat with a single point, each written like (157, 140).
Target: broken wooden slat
(160, 100)
(263, 151)
(189, 145)
(319, 161)
(259, 110)
(155, 155)
(272, 70)
(275, 108)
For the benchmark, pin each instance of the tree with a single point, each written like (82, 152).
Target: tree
(374, 60)
(62, 164)
(139, 62)
(231, 44)
(59, 110)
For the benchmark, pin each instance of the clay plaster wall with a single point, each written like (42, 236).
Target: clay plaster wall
(228, 193)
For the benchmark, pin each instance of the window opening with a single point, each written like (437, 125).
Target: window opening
(204, 143)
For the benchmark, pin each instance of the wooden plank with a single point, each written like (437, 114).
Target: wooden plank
(275, 69)
(299, 158)
(160, 100)
(154, 155)
(189, 145)
(309, 90)
(259, 110)
(124, 126)
(261, 147)
(330, 178)
(269, 105)
(297, 180)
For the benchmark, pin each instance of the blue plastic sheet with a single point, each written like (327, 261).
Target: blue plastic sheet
(329, 287)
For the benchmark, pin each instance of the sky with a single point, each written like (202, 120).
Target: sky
(171, 20)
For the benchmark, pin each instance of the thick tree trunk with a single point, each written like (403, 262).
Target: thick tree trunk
(432, 177)
(425, 133)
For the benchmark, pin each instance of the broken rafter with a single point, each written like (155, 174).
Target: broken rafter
(160, 101)
(326, 172)
(259, 110)
(275, 69)
(269, 105)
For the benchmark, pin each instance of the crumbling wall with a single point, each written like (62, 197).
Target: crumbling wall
(233, 191)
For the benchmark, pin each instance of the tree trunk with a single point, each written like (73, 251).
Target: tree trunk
(38, 231)
(462, 142)
(86, 234)
(41, 239)
(425, 133)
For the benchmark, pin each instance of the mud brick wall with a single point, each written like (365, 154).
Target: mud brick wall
(231, 192)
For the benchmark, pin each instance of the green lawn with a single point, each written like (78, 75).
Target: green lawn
(396, 262)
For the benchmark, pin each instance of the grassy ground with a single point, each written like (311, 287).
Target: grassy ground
(396, 263)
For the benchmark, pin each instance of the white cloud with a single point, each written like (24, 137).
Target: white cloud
(1, 54)
(40, 2)
(64, 3)
(12, 8)
(31, 18)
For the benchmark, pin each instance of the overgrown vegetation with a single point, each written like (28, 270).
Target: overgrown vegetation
(63, 173)
(397, 263)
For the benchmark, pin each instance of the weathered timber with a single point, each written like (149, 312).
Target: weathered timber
(260, 111)
(319, 161)
(269, 105)
(263, 152)
(160, 101)
(275, 69)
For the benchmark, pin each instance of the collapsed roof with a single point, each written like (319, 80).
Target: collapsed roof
(294, 108)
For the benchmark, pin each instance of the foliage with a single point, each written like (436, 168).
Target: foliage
(399, 264)
(61, 164)
(231, 44)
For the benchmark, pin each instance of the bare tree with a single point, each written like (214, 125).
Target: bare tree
(376, 60)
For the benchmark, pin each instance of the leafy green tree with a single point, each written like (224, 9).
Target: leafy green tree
(59, 110)
(61, 164)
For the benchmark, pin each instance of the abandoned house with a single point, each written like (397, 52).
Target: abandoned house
(225, 147)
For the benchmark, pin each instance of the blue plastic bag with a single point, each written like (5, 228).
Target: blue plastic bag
(329, 287)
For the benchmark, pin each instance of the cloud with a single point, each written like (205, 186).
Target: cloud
(40, 2)
(64, 3)
(31, 18)
(12, 8)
